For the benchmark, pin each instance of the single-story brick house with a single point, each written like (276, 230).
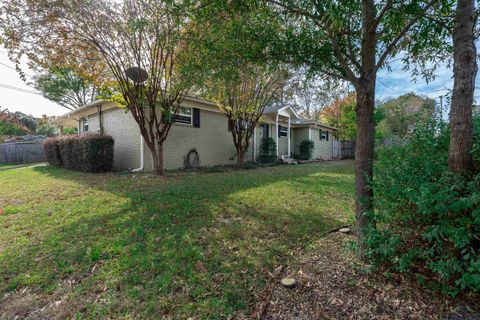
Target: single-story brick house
(202, 126)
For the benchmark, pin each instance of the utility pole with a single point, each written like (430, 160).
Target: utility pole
(441, 107)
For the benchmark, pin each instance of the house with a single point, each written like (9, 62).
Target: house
(202, 126)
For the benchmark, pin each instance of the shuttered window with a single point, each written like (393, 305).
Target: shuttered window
(196, 118)
(184, 116)
(323, 135)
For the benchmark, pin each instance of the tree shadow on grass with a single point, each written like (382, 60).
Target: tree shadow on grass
(190, 245)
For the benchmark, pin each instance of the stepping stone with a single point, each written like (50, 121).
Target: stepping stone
(288, 282)
(344, 230)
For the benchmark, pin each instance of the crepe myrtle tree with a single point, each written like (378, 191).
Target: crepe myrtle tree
(352, 40)
(242, 94)
(151, 37)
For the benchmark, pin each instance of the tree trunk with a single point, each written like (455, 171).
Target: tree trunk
(465, 71)
(365, 90)
(157, 159)
(364, 161)
(239, 155)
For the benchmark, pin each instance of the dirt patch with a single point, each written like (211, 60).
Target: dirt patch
(333, 284)
(59, 304)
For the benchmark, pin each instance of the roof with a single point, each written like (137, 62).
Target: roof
(303, 121)
(73, 116)
(275, 108)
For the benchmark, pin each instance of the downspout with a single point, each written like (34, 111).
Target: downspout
(276, 132)
(288, 133)
(142, 160)
(254, 143)
(100, 121)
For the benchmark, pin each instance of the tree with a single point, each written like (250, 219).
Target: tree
(465, 71)
(144, 45)
(65, 87)
(341, 114)
(46, 129)
(242, 94)
(310, 94)
(352, 40)
(10, 124)
(400, 115)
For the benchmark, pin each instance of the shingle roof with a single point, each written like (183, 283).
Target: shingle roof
(273, 108)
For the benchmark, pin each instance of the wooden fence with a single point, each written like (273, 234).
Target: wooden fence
(21, 152)
(347, 149)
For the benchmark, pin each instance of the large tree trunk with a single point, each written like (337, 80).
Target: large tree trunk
(364, 161)
(465, 71)
(365, 90)
(157, 157)
(240, 155)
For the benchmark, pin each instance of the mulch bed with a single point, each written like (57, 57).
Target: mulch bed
(333, 284)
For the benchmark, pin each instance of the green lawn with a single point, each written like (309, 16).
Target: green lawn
(198, 245)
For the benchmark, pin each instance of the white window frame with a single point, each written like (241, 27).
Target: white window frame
(181, 114)
(281, 132)
(323, 135)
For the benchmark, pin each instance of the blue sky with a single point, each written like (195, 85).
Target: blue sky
(397, 81)
(390, 84)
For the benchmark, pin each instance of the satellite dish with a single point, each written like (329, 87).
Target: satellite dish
(136, 74)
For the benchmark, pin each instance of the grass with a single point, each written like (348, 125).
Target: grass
(188, 245)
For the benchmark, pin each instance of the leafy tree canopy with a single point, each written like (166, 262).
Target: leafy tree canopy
(400, 115)
(65, 87)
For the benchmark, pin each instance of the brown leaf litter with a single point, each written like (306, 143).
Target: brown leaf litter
(333, 284)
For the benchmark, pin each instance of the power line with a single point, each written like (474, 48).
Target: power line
(9, 67)
(12, 68)
(6, 86)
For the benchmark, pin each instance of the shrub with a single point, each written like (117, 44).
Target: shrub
(51, 149)
(428, 219)
(89, 153)
(268, 150)
(306, 149)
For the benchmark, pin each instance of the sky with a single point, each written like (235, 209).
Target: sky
(390, 84)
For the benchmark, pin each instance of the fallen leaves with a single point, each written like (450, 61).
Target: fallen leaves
(331, 285)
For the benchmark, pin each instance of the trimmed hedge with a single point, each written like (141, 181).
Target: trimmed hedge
(89, 152)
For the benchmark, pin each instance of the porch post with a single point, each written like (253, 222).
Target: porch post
(309, 133)
(288, 133)
(276, 133)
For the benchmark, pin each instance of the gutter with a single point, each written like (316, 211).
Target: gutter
(142, 157)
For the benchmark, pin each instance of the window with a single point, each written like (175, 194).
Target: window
(282, 131)
(85, 125)
(323, 135)
(184, 115)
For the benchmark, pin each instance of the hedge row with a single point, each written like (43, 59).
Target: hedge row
(89, 153)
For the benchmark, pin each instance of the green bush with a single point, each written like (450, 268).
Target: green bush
(47, 130)
(268, 150)
(9, 128)
(428, 219)
(89, 153)
(306, 148)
